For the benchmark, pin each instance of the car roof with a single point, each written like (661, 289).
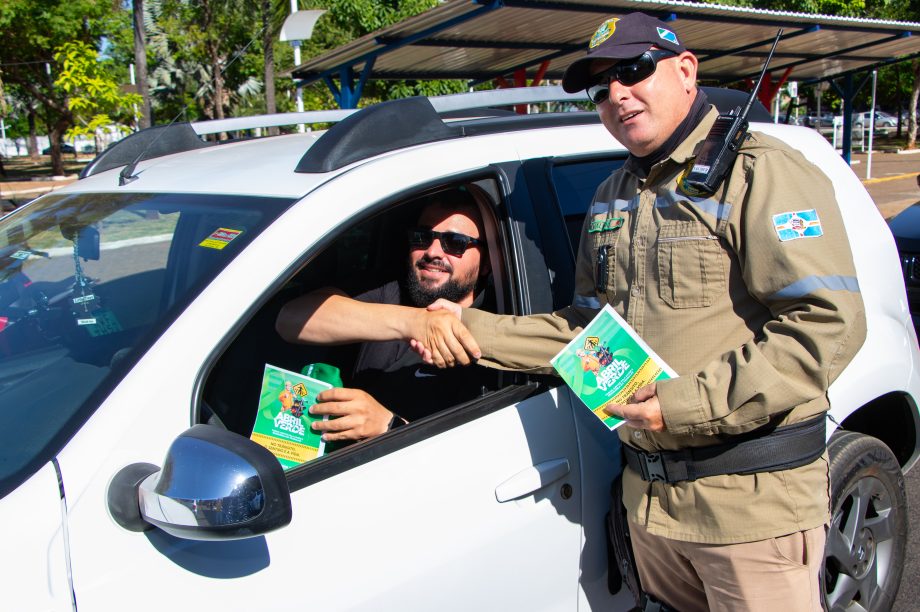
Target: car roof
(295, 164)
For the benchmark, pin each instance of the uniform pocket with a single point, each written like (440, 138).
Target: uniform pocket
(691, 271)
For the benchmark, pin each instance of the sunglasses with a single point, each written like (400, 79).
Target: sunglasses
(452, 243)
(627, 72)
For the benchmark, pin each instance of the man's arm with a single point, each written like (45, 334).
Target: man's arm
(328, 316)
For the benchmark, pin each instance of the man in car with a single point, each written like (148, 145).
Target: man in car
(392, 386)
(749, 293)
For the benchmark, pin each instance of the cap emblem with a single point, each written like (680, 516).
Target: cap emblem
(604, 32)
(668, 35)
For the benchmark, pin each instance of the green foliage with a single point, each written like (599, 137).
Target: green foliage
(93, 95)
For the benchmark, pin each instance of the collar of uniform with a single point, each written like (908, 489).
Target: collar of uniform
(687, 149)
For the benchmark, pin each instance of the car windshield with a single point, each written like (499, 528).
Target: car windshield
(87, 283)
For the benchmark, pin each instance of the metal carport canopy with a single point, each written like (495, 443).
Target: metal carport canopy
(481, 40)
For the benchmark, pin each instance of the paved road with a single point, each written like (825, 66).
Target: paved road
(908, 599)
(893, 185)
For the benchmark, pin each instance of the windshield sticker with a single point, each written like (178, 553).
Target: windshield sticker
(220, 238)
(798, 224)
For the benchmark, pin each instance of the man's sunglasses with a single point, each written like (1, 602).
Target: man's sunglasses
(452, 243)
(627, 72)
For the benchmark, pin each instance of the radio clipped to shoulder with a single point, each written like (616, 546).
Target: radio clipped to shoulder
(718, 152)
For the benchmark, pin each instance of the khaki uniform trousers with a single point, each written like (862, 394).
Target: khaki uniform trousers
(768, 575)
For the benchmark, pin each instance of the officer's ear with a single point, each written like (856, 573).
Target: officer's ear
(687, 65)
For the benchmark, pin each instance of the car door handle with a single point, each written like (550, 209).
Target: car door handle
(532, 479)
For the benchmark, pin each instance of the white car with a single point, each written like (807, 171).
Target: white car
(137, 311)
(882, 120)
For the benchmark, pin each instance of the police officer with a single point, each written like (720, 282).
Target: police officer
(749, 293)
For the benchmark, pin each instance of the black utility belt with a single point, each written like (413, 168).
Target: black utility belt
(783, 448)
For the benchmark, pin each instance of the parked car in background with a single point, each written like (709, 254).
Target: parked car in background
(65, 148)
(137, 311)
(824, 120)
(882, 120)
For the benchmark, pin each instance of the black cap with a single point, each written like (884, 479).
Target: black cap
(620, 38)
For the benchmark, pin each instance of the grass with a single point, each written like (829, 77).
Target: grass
(26, 169)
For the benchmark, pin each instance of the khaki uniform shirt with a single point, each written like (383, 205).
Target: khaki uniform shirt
(757, 310)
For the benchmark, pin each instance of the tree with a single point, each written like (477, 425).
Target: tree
(93, 95)
(31, 31)
(140, 61)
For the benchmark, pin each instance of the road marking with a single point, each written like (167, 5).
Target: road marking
(889, 178)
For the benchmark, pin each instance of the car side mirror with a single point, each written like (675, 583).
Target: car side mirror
(214, 485)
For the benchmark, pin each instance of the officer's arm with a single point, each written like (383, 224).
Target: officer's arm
(808, 285)
(527, 343)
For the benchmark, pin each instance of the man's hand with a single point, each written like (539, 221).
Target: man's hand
(441, 339)
(643, 411)
(360, 416)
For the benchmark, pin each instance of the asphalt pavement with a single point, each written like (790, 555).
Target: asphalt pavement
(893, 185)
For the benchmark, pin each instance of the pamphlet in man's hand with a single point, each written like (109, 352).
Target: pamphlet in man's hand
(607, 362)
(283, 422)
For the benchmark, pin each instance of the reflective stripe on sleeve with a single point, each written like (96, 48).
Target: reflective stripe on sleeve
(600, 208)
(810, 284)
(719, 210)
(587, 301)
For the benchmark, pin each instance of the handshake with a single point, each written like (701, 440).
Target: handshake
(439, 338)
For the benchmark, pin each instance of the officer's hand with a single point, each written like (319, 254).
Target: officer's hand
(451, 307)
(444, 337)
(360, 416)
(643, 411)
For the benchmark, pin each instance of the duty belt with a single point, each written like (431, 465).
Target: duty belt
(783, 448)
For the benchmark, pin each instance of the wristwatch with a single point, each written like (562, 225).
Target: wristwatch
(396, 421)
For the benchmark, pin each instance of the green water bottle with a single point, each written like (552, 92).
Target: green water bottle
(328, 374)
(324, 372)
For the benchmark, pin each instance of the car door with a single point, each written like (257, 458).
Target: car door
(478, 508)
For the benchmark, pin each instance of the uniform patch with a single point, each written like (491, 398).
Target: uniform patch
(798, 224)
(684, 187)
(668, 35)
(605, 225)
(604, 32)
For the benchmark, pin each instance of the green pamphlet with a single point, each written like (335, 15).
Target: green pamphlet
(283, 419)
(607, 362)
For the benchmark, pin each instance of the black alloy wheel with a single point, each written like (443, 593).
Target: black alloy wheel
(867, 540)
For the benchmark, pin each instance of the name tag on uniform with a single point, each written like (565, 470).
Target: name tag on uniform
(605, 225)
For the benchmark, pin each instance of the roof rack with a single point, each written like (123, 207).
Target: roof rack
(178, 137)
(360, 134)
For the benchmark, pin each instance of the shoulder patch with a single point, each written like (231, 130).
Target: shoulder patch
(798, 224)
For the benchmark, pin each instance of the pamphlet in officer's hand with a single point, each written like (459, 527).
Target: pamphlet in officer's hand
(283, 420)
(607, 362)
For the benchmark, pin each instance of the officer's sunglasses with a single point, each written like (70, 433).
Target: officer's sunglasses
(627, 72)
(452, 243)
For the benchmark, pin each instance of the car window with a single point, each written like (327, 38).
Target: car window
(575, 184)
(367, 259)
(87, 283)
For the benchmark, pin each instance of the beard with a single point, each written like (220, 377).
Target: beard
(454, 289)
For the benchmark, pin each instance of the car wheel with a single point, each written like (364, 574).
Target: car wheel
(867, 539)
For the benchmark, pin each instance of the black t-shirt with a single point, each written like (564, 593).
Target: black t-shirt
(398, 378)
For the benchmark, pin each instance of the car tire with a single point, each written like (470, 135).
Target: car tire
(867, 538)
